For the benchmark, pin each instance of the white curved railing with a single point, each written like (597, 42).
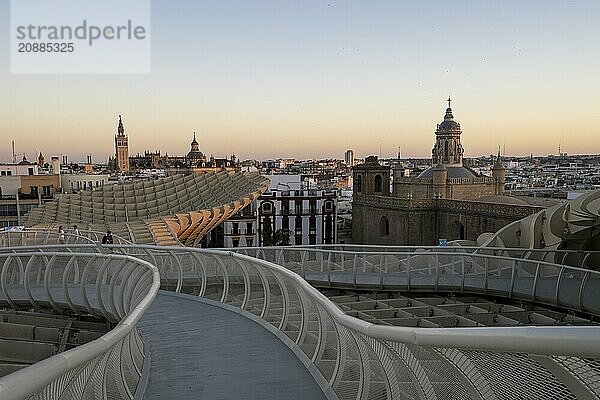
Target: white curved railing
(574, 258)
(115, 287)
(362, 360)
(429, 270)
(43, 237)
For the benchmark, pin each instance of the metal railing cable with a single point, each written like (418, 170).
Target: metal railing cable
(366, 360)
(116, 287)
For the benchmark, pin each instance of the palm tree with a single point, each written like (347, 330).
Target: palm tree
(281, 237)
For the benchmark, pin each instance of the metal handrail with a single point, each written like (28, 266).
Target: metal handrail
(49, 237)
(96, 236)
(126, 303)
(584, 341)
(518, 252)
(336, 342)
(178, 280)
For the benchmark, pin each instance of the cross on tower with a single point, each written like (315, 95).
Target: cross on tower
(449, 101)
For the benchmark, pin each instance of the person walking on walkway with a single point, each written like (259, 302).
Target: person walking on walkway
(61, 234)
(108, 238)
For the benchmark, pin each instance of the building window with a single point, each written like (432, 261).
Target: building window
(235, 229)
(285, 222)
(8, 210)
(328, 206)
(235, 242)
(358, 183)
(328, 239)
(446, 150)
(266, 208)
(384, 227)
(30, 171)
(378, 184)
(298, 205)
(249, 228)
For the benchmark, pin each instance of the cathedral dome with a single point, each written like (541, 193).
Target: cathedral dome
(449, 124)
(453, 172)
(195, 154)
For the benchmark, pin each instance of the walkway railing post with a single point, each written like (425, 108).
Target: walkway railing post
(581, 289)
(584, 262)
(535, 279)
(302, 260)
(381, 262)
(354, 275)
(462, 281)
(485, 277)
(329, 268)
(512, 278)
(408, 271)
(557, 289)
(437, 272)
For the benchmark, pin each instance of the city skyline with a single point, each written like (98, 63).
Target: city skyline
(272, 80)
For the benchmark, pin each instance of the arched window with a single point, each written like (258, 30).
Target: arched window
(384, 227)
(378, 184)
(267, 207)
(359, 183)
(458, 231)
(446, 150)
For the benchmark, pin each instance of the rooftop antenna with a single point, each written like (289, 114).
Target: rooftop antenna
(504, 148)
(559, 147)
(14, 157)
(379, 150)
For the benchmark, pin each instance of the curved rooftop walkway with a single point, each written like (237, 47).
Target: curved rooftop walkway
(201, 349)
(195, 356)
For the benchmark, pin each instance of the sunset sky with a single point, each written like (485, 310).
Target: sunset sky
(268, 79)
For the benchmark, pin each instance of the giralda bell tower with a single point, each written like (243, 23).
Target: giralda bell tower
(121, 148)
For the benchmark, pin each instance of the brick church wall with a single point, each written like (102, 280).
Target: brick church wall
(423, 222)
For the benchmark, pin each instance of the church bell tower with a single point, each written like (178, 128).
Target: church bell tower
(121, 148)
(447, 149)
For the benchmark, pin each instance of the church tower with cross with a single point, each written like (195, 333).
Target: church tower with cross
(121, 148)
(447, 149)
(421, 209)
